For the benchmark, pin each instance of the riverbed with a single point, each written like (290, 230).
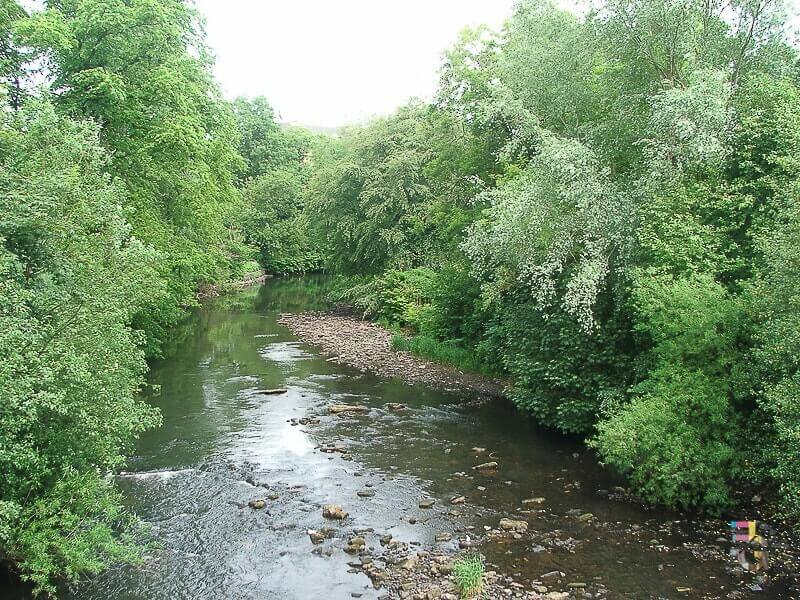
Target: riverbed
(223, 444)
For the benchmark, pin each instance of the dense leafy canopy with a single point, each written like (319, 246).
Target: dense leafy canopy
(601, 209)
(621, 205)
(126, 185)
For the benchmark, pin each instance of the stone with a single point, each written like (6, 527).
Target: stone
(487, 466)
(427, 503)
(585, 517)
(317, 537)
(532, 501)
(410, 563)
(365, 493)
(576, 585)
(443, 537)
(355, 545)
(557, 595)
(458, 500)
(477, 450)
(272, 391)
(337, 409)
(513, 525)
(396, 406)
(257, 503)
(334, 511)
(273, 496)
(551, 576)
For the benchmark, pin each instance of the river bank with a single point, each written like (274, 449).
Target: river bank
(234, 484)
(366, 346)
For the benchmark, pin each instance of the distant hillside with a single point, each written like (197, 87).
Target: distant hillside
(332, 131)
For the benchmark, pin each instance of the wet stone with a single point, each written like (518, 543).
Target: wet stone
(334, 511)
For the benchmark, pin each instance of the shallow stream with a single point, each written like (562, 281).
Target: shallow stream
(222, 444)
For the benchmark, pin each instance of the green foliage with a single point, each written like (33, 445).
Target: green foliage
(605, 208)
(677, 437)
(71, 278)
(468, 573)
(448, 352)
(172, 139)
(271, 214)
(274, 224)
(559, 373)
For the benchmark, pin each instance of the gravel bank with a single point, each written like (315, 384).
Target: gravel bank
(368, 347)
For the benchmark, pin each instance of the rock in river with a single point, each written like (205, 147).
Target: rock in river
(487, 466)
(337, 409)
(334, 511)
(272, 391)
(257, 503)
(532, 501)
(427, 503)
(513, 525)
(317, 537)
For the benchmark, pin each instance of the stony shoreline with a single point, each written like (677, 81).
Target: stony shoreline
(425, 573)
(367, 346)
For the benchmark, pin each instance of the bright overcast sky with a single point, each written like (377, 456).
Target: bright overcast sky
(331, 62)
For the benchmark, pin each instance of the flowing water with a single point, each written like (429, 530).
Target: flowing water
(222, 444)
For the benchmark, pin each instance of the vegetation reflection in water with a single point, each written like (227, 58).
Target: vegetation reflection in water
(190, 479)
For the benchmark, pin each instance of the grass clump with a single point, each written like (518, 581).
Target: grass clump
(447, 352)
(468, 572)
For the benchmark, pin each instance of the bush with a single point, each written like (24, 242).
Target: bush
(71, 278)
(560, 374)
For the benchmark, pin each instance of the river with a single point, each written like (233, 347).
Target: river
(222, 444)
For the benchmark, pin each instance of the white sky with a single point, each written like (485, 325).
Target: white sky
(332, 62)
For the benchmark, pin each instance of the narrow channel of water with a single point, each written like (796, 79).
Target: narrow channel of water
(222, 445)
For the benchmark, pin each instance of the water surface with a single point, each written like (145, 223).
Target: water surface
(222, 444)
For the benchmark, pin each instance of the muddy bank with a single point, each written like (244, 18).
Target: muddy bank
(366, 346)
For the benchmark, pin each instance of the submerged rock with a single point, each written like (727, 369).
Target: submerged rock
(316, 537)
(337, 409)
(427, 503)
(487, 466)
(532, 501)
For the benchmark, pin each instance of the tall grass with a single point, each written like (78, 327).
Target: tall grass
(448, 352)
(468, 572)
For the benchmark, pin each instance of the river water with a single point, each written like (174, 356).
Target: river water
(222, 444)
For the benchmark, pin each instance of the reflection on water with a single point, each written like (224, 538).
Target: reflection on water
(222, 445)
